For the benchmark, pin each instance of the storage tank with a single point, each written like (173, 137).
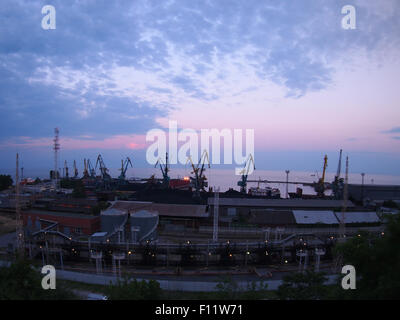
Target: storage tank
(144, 225)
(112, 219)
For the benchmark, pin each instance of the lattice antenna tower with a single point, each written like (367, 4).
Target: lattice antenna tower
(56, 148)
(18, 216)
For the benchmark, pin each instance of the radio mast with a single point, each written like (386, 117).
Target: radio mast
(18, 216)
(56, 147)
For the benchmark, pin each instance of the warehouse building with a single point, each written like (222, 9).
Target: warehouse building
(234, 207)
(305, 217)
(74, 224)
(183, 215)
(309, 218)
(374, 192)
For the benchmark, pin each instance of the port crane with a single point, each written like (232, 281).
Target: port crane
(338, 183)
(164, 169)
(320, 185)
(88, 170)
(66, 174)
(199, 181)
(75, 170)
(124, 168)
(103, 169)
(92, 170)
(245, 172)
(85, 169)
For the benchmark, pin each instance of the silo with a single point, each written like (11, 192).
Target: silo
(144, 225)
(112, 220)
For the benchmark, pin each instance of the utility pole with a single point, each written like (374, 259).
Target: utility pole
(287, 184)
(362, 186)
(344, 206)
(216, 214)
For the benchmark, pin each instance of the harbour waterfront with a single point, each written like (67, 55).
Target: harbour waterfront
(226, 178)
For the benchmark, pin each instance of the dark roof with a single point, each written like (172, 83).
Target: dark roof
(374, 191)
(60, 214)
(271, 217)
(280, 203)
(181, 210)
(164, 209)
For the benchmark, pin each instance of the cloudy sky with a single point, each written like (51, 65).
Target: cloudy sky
(112, 70)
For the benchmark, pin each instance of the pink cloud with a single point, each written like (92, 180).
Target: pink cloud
(135, 142)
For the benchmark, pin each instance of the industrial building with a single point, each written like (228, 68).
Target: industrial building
(310, 218)
(231, 207)
(74, 224)
(373, 192)
(189, 215)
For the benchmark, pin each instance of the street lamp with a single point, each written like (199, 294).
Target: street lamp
(287, 184)
(362, 186)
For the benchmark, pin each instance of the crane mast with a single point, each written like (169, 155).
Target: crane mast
(320, 185)
(75, 170)
(124, 168)
(103, 169)
(245, 172)
(337, 184)
(164, 167)
(66, 169)
(339, 166)
(85, 169)
(324, 169)
(92, 171)
(199, 180)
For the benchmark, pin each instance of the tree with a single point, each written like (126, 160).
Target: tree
(377, 263)
(21, 281)
(131, 289)
(5, 182)
(303, 286)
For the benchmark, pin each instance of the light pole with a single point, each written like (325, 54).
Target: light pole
(362, 186)
(287, 184)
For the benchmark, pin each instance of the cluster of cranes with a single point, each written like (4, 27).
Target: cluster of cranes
(320, 186)
(89, 171)
(198, 180)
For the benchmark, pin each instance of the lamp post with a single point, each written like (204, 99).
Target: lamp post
(362, 186)
(287, 184)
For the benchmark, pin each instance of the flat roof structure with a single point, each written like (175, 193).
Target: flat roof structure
(359, 217)
(281, 203)
(271, 217)
(163, 209)
(314, 217)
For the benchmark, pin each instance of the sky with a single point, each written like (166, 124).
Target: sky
(113, 70)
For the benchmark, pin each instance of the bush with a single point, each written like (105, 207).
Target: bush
(21, 282)
(131, 289)
(303, 286)
(228, 289)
